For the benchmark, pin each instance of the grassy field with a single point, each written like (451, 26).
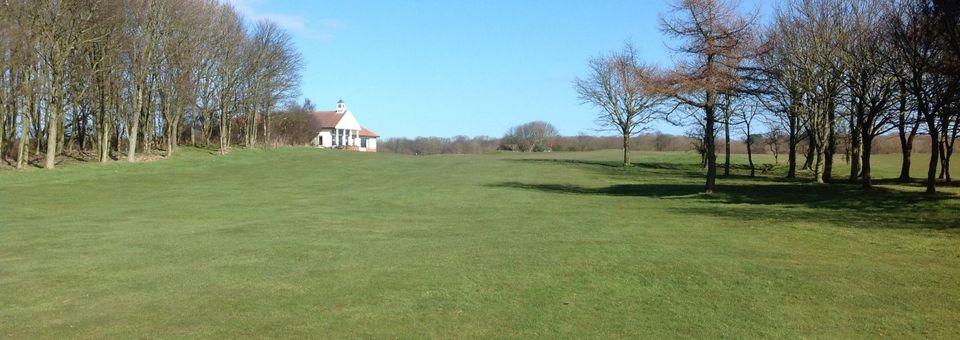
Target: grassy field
(303, 242)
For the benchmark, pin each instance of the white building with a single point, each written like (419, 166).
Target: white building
(339, 129)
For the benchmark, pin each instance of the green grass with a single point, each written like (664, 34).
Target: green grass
(307, 243)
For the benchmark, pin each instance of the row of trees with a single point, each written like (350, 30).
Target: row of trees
(120, 77)
(825, 72)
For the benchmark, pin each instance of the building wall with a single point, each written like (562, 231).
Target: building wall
(324, 139)
(348, 122)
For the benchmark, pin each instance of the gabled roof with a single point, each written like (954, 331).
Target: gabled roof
(364, 132)
(326, 119)
(330, 120)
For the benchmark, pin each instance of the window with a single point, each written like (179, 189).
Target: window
(363, 142)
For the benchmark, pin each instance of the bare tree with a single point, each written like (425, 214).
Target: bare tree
(62, 28)
(774, 139)
(622, 87)
(745, 116)
(138, 72)
(784, 79)
(809, 31)
(870, 81)
(716, 38)
(911, 26)
(277, 76)
(534, 136)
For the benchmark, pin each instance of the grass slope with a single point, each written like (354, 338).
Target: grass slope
(301, 242)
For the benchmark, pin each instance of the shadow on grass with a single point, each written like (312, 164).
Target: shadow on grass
(774, 173)
(770, 196)
(613, 167)
(840, 204)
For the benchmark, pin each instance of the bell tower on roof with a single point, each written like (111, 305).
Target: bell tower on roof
(341, 106)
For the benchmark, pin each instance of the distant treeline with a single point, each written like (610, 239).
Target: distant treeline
(886, 144)
(485, 144)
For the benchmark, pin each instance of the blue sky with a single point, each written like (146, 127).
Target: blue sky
(445, 68)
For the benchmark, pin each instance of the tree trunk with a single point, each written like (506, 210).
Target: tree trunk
(173, 136)
(134, 130)
(193, 131)
(3, 125)
(753, 169)
(867, 171)
(710, 141)
(255, 128)
(855, 141)
(266, 128)
(11, 110)
(934, 156)
(830, 150)
(149, 125)
(726, 141)
(906, 149)
(223, 132)
(626, 149)
(946, 164)
(50, 161)
(53, 123)
(23, 150)
(812, 148)
(819, 167)
(38, 127)
(102, 124)
(943, 154)
(792, 148)
(75, 125)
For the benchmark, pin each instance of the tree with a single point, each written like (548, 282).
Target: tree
(784, 80)
(695, 135)
(142, 27)
(62, 28)
(727, 105)
(661, 141)
(138, 72)
(716, 38)
(622, 87)
(914, 37)
(745, 116)
(276, 66)
(871, 85)
(808, 32)
(774, 139)
(534, 136)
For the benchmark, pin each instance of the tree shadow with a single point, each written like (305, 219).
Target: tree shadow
(769, 196)
(569, 161)
(615, 167)
(915, 182)
(693, 170)
(840, 204)
(638, 190)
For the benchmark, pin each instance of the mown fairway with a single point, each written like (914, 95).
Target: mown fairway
(303, 242)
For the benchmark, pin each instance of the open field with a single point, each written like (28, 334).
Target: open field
(299, 242)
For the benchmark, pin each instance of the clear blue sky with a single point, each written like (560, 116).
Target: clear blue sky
(445, 68)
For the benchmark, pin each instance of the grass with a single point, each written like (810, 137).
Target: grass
(306, 243)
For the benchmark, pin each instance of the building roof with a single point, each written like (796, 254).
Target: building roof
(364, 132)
(326, 119)
(330, 119)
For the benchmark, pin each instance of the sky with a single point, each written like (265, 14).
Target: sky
(476, 68)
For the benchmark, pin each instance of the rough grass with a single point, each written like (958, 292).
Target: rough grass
(303, 242)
